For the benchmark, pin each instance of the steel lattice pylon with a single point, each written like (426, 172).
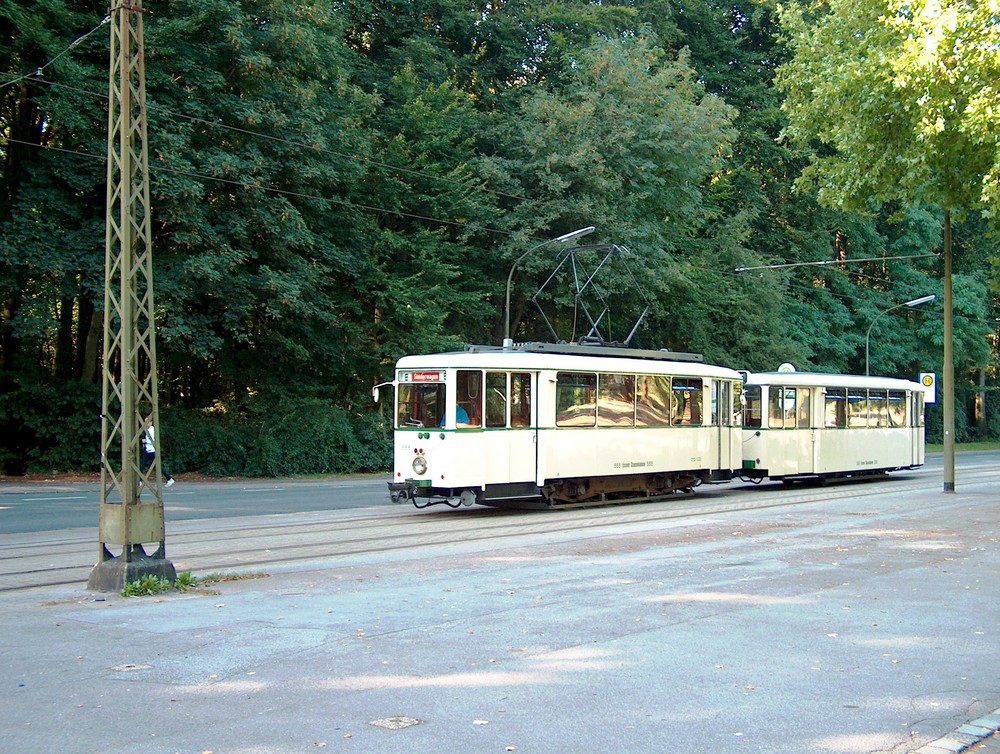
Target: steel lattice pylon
(129, 399)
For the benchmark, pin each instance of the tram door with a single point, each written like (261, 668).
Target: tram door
(722, 419)
(511, 428)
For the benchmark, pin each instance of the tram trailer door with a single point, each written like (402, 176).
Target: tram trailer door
(916, 422)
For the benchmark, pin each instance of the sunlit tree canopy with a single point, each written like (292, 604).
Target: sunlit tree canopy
(906, 95)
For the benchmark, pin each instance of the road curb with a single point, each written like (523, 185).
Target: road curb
(965, 736)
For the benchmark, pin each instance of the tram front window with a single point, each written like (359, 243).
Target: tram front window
(420, 405)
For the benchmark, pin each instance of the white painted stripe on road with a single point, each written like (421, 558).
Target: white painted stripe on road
(263, 489)
(61, 497)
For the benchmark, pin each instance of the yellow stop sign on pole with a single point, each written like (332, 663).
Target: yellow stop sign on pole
(929, 382)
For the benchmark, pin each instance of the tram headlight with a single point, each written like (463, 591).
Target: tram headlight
(420, 465)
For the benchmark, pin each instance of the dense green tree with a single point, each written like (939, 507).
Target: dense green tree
(336, 185)
(627, 144)
(51, 203)
(905, 96)
(253, 125)
(52, 179)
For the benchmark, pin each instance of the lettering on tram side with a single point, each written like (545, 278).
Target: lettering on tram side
(868, 462)
(632, 464)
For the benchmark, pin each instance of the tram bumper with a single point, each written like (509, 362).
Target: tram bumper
(400, 491)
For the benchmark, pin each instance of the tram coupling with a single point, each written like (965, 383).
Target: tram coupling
(400, 491)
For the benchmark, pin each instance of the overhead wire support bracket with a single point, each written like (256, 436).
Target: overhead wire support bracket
(589, 286)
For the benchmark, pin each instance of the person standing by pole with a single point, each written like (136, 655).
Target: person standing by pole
(149, 451)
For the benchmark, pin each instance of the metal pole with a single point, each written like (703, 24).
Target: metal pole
(948, 366)
(507, 342)
(129, 366)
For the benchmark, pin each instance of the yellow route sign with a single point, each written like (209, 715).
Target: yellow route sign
(929, 382)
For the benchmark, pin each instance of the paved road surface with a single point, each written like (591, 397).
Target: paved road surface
(47, 506)
(852, 619)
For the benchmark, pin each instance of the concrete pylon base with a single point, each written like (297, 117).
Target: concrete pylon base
(114, 574)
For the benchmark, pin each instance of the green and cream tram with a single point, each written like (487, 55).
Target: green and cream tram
(801, 425)
(540, 425)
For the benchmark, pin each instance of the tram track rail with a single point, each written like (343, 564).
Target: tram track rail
(63, 558)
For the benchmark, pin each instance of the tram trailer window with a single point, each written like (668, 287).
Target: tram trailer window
(897, 408)
(835, 408)
(496, 399)
(753, 411)
(857, 407)
(878, 409)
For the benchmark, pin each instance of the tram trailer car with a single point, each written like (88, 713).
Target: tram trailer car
(802, 425)
(547, 426)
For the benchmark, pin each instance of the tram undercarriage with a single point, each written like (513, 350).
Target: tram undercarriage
(592, 490)
(562, 493)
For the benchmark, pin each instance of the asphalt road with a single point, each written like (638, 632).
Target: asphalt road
(49, 506)
(38, 506)
(858, 618)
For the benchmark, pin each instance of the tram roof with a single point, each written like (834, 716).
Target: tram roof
(820, 379)
(535, 356)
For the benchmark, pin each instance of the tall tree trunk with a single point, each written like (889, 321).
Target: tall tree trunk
(84, 325)
(8, 340)
(62, 364)
(92, 350)
(981, 403)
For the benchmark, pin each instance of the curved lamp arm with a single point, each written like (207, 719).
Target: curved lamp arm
(507, 342)
(914, 302)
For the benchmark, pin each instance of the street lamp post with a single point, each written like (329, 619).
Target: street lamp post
(507, 342)
(914, 302)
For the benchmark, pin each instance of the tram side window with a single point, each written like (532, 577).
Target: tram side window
(877, 409)
(857, 408)
(652, 401)
(496, 399)
(775, 407)
(917, 418)
(836, 408)
(576, 395)
(753, 411)
(781, 411)
(688, 399)
(420, 405)
(897, 408)
(616, 400)
(520, 399)
(804, 420)
(469, 399)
